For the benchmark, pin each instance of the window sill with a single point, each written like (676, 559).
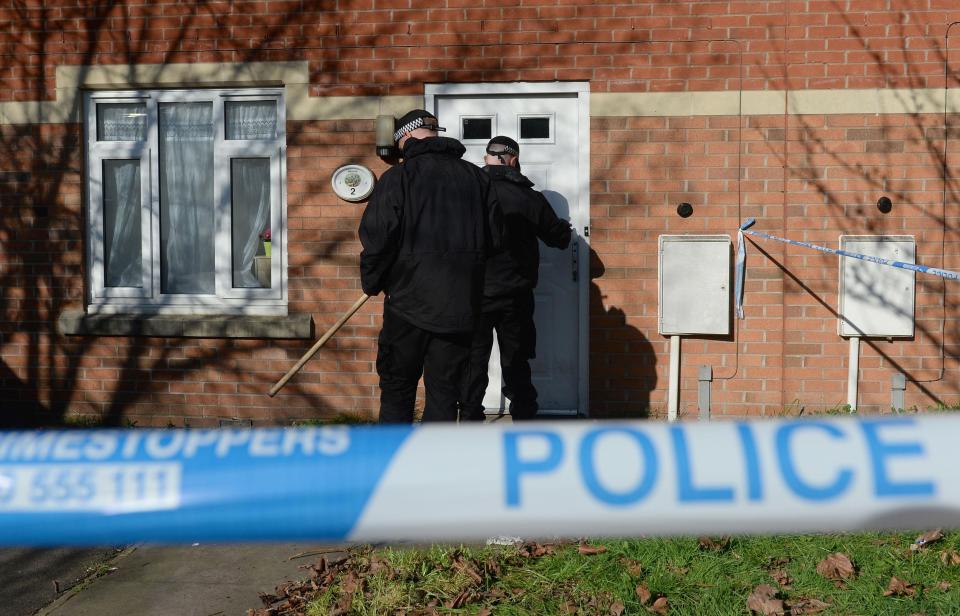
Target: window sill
(79, 323)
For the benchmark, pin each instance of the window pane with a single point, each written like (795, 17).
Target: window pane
(250, 213)
(186, 198)
(534, 128)
(121, 122)
(477, 128)
(251, 119)
(122, 257)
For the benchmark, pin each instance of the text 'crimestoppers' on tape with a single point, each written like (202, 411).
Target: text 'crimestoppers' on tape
(462, 483)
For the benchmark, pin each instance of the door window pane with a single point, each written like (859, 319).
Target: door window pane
(123, 261)
(477, 128)
(251, 119)
(535, 128)
(121, 122)
(186, 198)
(250, 216)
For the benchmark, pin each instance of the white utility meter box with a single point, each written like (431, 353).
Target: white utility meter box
(694, 284)
(877, 300)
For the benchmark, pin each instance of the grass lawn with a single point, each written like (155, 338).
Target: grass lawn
(762, 575)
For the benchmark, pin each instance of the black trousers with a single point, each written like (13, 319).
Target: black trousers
(512, 318)
(404, 353)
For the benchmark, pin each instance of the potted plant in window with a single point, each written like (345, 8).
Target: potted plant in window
(265, 236)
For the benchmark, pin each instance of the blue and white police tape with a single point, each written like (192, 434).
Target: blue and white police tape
(462, 483)
(741, 260)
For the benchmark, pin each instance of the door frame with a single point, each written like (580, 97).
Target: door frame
(581, 226)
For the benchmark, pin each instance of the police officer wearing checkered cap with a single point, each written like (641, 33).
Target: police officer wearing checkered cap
(511, 275)
(426, 233)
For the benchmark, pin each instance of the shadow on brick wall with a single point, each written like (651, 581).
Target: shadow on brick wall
(20, 402)
(622, 361)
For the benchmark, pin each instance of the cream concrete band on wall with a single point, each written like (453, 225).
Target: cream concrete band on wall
(301, 106)
(294, 76)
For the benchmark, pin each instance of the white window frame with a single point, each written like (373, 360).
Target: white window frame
(149, 299)
(493, 128)
(551, 127)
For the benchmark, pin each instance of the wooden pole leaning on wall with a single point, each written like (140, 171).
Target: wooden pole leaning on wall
(317, 346)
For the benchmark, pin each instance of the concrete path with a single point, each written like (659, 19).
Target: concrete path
(201, 580)
(32, 578)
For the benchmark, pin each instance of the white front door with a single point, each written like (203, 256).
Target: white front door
(547, 125)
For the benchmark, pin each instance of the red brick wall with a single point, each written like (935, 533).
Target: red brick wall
(158, 381)
(786, 354)
(807, 177)
(393, 46)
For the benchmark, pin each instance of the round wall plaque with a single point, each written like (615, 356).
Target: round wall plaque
(353, 182)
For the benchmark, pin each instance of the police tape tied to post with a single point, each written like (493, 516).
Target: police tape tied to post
(565, 479)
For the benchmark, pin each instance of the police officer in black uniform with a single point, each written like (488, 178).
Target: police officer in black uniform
(426, 232)
(511, 276)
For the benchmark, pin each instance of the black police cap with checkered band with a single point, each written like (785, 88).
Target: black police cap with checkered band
(413, 120)
(503, 145)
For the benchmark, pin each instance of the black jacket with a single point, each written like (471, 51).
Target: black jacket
(426, 232)
(527, 215)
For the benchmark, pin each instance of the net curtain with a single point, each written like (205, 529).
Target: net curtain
(249, 185)
(187, 258)
(250, 188)
(121, 182)
(187, 209)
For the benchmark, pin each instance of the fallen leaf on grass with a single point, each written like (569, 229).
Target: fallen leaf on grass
(468, 568)
(707, 543)
(378, 565)
(460, 600)
(763, 601)
(944, 586)
(568, 608)
(925, 539)
(950, 557)
(351, 583)
(590, 550)
(634, 567)
(485, 612)
(681, 571)
(782, 579)
(804, 605)
(899, 588)
(535, 550)
(661, 606)
(777, 561)
(343, 605)
(643, 593)
(492, 567)
(617, 609)
(837, 567)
